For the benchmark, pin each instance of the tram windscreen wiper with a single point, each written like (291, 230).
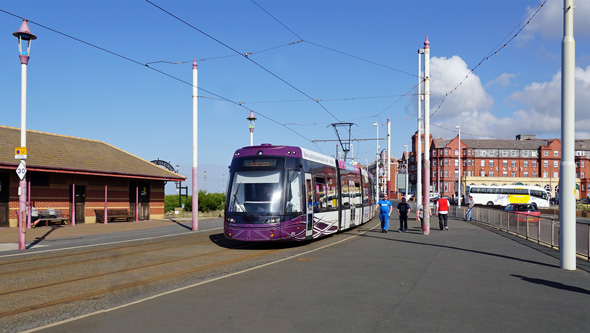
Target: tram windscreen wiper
(237, 202)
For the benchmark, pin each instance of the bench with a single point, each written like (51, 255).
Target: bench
(50, 216)
(114, 215)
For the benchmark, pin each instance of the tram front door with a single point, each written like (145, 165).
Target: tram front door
(310, 198)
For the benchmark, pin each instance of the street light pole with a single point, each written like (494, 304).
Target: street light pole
(376, 124)
(407, 165)
(252, 120)
(459, 180)
(23, 34)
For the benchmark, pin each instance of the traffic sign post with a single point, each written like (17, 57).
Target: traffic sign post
(21, 170)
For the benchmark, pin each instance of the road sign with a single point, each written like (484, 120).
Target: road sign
(20, 153)
(21, 170)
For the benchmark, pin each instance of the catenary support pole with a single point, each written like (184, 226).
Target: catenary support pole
(388, 187)
(567, 199)
(419, 138)
(426, 228)
(195, 176)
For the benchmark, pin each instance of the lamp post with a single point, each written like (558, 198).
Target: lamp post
(252, 120)
(459, 180)
(407, 165)
(376, 124)
(23, 34)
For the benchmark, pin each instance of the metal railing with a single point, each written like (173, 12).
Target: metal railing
(542, 230)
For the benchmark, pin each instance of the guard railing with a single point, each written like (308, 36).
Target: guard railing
(543, 230)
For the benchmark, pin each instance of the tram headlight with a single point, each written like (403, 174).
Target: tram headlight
(231, 220)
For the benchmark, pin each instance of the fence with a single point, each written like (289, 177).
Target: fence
(543, 230)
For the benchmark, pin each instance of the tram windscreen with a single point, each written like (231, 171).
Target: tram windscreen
(256, 192)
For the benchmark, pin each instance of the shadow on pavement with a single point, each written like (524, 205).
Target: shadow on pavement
(553, 284)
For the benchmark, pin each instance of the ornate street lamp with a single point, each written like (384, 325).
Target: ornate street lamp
(252, 120)
(23, 34)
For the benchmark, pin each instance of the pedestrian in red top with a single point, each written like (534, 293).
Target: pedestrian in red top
(442, 209)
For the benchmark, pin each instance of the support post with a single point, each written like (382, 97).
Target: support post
(195, 176)
(426, 228)
(567, 186)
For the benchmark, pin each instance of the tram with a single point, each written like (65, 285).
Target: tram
(285, 193)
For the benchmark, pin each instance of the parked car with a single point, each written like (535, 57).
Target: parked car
(524, 212)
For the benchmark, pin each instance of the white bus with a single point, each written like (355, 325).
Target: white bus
(507, 194)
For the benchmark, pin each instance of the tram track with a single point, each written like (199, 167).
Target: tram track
(116, 274)
(54, 288)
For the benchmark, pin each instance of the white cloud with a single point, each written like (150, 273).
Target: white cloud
(469, 95)
(549, 20)
(541, 114)
(505, 79)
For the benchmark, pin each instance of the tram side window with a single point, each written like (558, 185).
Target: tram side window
(320, 195)
(345, 195)
(294, 198)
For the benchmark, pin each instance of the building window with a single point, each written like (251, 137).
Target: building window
(504, 173)
(491, 163)
(555, 153)
(582, 164)
(456, 152)
(469, 162)
(513, 164)
(555, 174)
(456, 162)
(434, 153)
(446, 173)
(534, 174)
(582, 175)
(483, 163)
(546, 164)
(545, 153)
(555, 164)
(526, 173)
(534, 164)
(433, 162)
(526, 164)
(513, 174)
(483, 173)
(433, 174)
(469, 152)
(545, 174)
(469, 173)
(505, 163)
(491, 174)
(456, 173)
(446, 187)
(446, 161)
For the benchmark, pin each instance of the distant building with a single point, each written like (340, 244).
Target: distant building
(62, 170)
(525, 160)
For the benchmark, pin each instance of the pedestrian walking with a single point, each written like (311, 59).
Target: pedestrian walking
(384, 207)
(470, 205)
(403, 210)
(442, 210)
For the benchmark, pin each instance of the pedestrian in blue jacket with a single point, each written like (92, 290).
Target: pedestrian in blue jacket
(384, 207)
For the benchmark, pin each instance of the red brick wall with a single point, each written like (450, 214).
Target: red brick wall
(58, 195)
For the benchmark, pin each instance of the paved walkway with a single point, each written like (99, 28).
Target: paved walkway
(468, 279)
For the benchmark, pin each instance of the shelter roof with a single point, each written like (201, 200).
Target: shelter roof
(65, 154)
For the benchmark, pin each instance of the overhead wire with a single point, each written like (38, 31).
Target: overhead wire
(245, 56)
(491, 54)
(154, 69)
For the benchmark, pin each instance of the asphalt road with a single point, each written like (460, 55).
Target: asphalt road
(467, 279)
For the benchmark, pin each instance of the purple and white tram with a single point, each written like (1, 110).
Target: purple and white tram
(284, 193)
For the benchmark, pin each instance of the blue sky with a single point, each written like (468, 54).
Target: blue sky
(358, 58)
